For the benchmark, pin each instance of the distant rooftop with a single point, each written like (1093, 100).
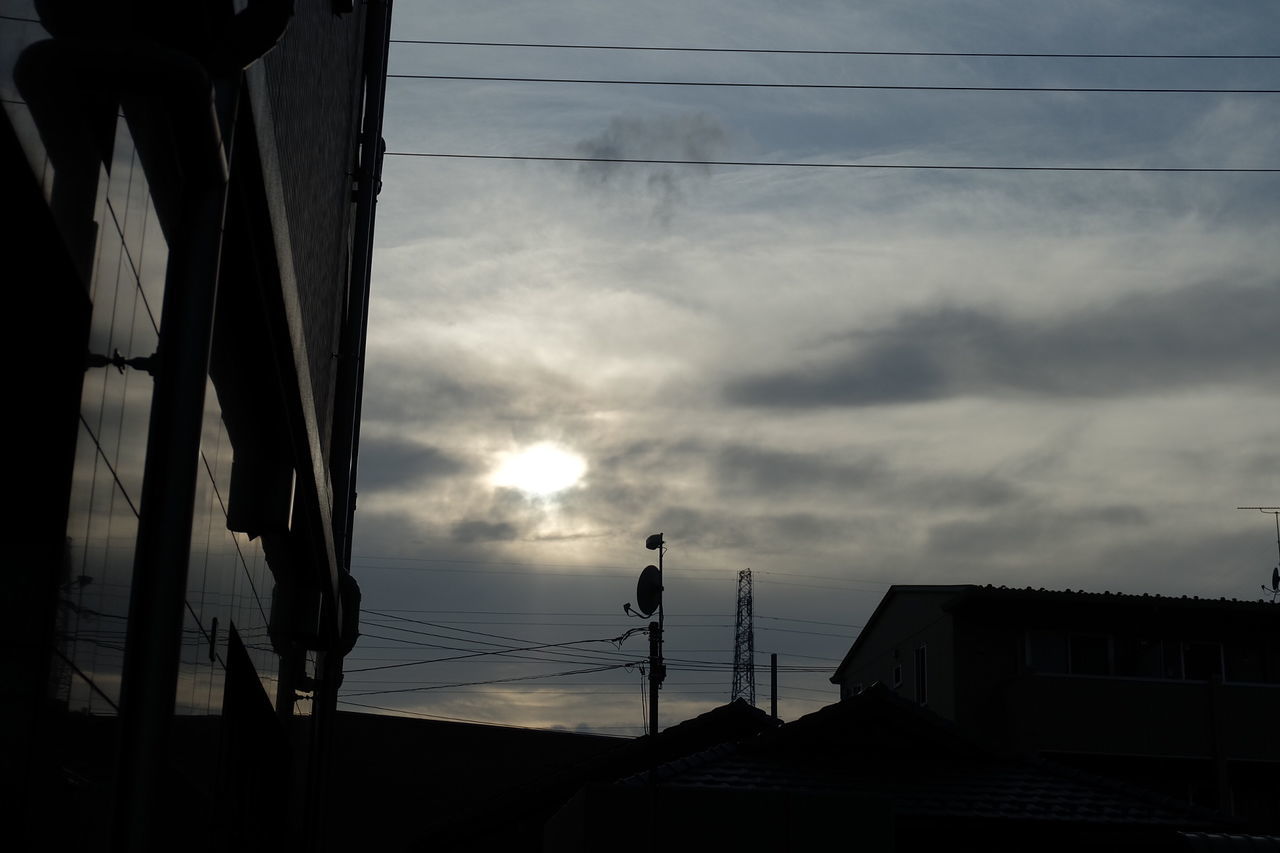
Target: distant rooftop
(968, 595)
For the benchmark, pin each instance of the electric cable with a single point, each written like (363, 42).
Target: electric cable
(1085, 90)
(814, 52)
(423, 688)
(894, 166)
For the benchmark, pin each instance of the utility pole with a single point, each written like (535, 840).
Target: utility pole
(657, 670)
(744, 645)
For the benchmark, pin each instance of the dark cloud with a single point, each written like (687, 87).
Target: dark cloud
(695, 136)
(404, 393)
(390, 462)
(1147, 342)
(1030, 529)
(483, 531)
(740, 470)
(761, 533)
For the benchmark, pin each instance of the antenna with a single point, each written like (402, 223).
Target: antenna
(744, 645)
(1274, 589)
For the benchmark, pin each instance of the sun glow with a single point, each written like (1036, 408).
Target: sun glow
(541, 470)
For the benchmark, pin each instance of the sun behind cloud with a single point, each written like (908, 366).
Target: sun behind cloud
(540, 470)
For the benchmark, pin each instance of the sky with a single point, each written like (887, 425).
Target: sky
(840, 378)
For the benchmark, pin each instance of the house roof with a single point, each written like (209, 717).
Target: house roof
(530, 803)
(961, 596)
(880, 745)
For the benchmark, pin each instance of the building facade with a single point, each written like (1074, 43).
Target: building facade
(194, 187)
(1177, 694)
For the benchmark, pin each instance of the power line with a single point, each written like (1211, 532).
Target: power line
(588, 572)
(585, 613)
(584, 566)
(578, 656)
(470, 653)
(1088, 90)
(783, 51)
(793, 165)
(422, 688)
(726, 574)
(462, 719)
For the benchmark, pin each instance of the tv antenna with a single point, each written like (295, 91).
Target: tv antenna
(1274, 589)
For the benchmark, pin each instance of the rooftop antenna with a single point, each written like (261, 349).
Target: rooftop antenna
(744, 645)
(1274, 589)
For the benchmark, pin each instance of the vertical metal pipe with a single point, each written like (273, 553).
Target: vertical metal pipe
(154, 642)
(773, 685)
(655, 679)
(348, 399)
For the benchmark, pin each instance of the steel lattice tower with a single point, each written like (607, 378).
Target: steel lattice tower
(744, 644)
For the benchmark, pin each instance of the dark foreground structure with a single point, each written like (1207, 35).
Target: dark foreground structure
(873, 773)
(191, 189)
(1178, 695)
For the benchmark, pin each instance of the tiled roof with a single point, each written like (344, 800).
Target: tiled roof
(1217, 841)
(1192, 600)
(879, 745)
(536, 800)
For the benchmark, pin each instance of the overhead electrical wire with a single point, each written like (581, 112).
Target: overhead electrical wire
(582, 613)
(812, 52)
(797, 165)
(584, 656)
(422, 688)
(1088, 90)
(468, 719)
(469, 653)
(594, 569)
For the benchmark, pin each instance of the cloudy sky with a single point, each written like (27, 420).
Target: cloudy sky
(842, 378)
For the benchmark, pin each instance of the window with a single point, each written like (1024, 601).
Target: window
(1139, 657)
(1047, 650)
(922, 675)
(1244, 662)
(1201, 661)
(1090, 654)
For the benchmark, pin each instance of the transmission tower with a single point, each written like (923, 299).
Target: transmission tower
(744, 644)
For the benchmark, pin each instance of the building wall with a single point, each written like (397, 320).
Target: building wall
(96, 214)
(907, 624)
(1173, 694)
(315, 107)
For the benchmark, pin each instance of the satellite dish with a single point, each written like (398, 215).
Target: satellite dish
(649, 590)
(654, 542)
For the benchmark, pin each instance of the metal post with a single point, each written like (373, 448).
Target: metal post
(773, 685)
(655, 679)
(154, 642)
(345, 444)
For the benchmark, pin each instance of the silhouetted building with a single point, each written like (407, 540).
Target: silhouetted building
(873, 773)
(440, 785)
(1178, 694)
(191, 190)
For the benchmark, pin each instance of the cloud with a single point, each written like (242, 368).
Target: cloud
(695, 136)
(740, 470)
(391, 462)
(1211, 333)
(472, 531)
